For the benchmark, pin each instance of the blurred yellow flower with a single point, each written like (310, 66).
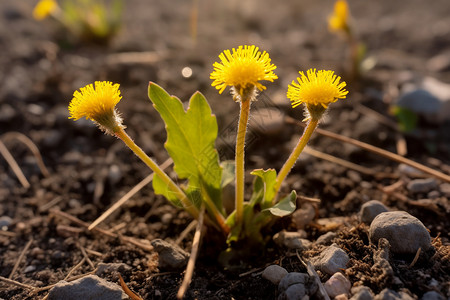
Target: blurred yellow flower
(98, 104)
(339, 19)
(44, 8)
(316, 88)
(242, 68)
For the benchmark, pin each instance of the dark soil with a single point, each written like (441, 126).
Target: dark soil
(89, 170)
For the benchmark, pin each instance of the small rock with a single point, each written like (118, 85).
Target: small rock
(304, 215)
(5, 222)
(293, 292)
(29, 269)
(331, 260)
(361, 293)
(170, 256)
(114, 174)
(293, 278)
(109, 268)
(89, 287)
(337, 284)
(432, 295)
(326, 239)
(388, 294)
(291, 240)
(274, 273)
(166, 218)
(370, 210)
(404, 232)
(296, 286)
(422, 185)
(408, 170)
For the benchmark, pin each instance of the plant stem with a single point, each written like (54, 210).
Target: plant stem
(239, 158)
(158, 171)
(295, 153)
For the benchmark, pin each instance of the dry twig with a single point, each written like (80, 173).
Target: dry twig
(191, 263)
(376, 150)
(32, 146)
(20, 258)
(14, 166)
(127, 196)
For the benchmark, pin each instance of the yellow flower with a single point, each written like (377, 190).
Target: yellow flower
(316, 88)
(339, 19)
(242, 69)
(44, 8)
(98, 104)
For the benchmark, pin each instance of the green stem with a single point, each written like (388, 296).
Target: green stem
(239, 158)
(295, 153)
(120, 133)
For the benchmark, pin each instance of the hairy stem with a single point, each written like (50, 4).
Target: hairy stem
(295, 153)
(158, 171)
(239, 158)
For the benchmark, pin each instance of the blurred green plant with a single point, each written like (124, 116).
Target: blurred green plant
(339, 23)
(406, 118)
(92, 21)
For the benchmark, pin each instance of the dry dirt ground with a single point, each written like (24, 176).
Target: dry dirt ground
(89, 171)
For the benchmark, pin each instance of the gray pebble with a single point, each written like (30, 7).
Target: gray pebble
(114, 174)
(291, 240)
(89, 287)
(408, 170)
(292, 278)
(293, 292)
(326, 239)
(29, 269)
(331, 260)
(274, 273)
(422, 185)
(170, 256)
(432, 295)
(404, 232)
(304, 215)
(370, 210)
(361, 293)
(5, 222)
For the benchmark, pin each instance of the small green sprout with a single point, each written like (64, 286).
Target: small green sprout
(339, 23)
(87, 20)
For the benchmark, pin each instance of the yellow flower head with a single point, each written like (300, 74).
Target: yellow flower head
(339, 19)
(242, 69)
(316, 88)
(44, 8)
(98, 104)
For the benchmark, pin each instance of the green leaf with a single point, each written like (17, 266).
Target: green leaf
(269, 178)
(161, 188)
(228, 174)
(191, 137)
(285, 207)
